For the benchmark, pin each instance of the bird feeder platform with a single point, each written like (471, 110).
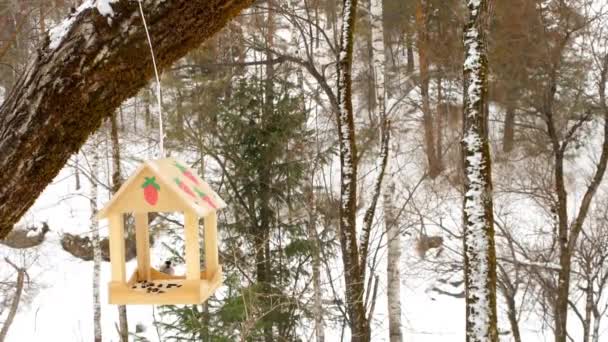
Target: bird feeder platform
(163, 288)
(164, 185)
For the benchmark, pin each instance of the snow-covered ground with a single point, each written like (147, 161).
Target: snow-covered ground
(62, 308)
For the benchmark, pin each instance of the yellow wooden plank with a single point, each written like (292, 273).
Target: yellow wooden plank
(193, 257)
(142, 243)
(117, 246)
(209, 286)
(211, 251)
(188, 293)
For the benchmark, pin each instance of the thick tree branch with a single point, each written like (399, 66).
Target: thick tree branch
(67, 91)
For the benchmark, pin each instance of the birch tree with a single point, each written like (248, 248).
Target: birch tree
(393, 280)
(379, 73)
(354, 282)
(93, 150)
(123, 322)
(479, 251)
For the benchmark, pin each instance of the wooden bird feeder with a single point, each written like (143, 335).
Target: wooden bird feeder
(164, 185)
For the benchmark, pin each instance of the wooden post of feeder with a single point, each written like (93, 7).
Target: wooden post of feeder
(142, 239)
(117, 247)
(193, 256)
(211, 256)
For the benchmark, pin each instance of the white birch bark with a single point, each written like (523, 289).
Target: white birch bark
(393, 281)
(390, 216)
(316, 265)
(479, 251)
(94, 153)
(378, 55)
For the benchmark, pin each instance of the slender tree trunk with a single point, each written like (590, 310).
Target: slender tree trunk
(77, 171)
(588, 311)
(179, 120)
(116, 177)
(355, 287)
(509, 130)
(595, 337)
(316, 263)
(512, 314)
(509, 292)
(409, 52)
(440, 116)
(16, 300)
(393, 291)
(434, 166)
(123, 323)
(264, 179)
(379, 67)
(205, 320)
(94, 153)
(479, 250)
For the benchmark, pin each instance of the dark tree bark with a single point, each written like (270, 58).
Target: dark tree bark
(479, 250)
(123, 323)
(67, 91)
(569, 230)
(428, 119)
(116, 177)
(509, 130)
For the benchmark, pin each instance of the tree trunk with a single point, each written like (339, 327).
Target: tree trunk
(588, 310)
(509, 292)
(410, 53)
(116, 177)
(317, 309)
(393, 281)
(380, 70)
(595, 337)
(123, 324)
(15, 303)
(94, 153)
(77, 171)
(434, 164)
(77, 81)
(479, 250)
(355, 287)
(266, 213)
(440, 116)
(563, 290)
(509, 130)
(568, 231)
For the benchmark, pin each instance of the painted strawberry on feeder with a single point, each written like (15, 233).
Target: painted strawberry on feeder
(187, 173)
(205, 198)
(151, 189)
(184, 187)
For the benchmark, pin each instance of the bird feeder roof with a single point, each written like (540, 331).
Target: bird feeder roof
(164, 185)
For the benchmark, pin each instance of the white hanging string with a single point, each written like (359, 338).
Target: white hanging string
(158, 88)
